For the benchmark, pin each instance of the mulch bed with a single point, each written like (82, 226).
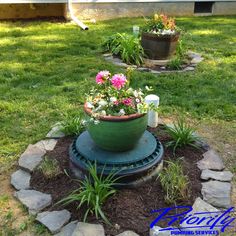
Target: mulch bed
(128, 208)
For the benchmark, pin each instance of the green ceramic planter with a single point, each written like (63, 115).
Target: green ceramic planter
(117, 133)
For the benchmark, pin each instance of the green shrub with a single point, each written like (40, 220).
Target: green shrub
(181, 134)
(72, 125)
(49, 167)
(174, 182)
(93, 192)
(126, 46)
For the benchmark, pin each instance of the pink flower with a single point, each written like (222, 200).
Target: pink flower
(116, 103)
(102, 76)
(118, 81)
(127, 101)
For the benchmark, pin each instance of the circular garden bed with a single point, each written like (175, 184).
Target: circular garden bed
(128, 208)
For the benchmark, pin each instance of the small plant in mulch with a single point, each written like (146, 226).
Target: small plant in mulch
(94, 191)
(174, 182)
(182, 134)
(50, 167)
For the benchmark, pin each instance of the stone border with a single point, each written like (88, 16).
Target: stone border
(195, 59)
(216, 190)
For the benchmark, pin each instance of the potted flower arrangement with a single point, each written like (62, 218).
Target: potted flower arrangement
(117, 113)
(160, 37)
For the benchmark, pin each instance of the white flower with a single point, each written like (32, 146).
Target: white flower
(121, 112)
(89, 105)
(130, 90)
(148, 88)
(113, 99)
(83, 122)
(135, 93)
(102, 103)
(103, 113)
(96, 122)
(137, 100)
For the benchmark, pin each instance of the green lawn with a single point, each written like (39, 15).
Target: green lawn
(46, 69)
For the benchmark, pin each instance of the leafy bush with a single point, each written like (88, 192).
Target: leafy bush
(72, 125)
(93, 192)
(182, 134)
(50, 167)
(126, 46)
(174, 182)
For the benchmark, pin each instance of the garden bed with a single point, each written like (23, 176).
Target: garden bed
(128, 208)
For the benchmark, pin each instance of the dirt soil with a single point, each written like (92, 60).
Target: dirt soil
(128, 209)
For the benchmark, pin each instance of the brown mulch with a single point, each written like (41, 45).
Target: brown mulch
(128, 208)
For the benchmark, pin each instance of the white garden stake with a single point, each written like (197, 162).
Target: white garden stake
(136, 30)
(152, 115)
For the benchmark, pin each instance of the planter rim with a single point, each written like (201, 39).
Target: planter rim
(114, 118)
(177, 33)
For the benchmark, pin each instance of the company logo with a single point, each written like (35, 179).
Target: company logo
(194, 223)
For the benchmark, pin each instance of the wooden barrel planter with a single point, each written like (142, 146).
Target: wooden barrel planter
(159, 47)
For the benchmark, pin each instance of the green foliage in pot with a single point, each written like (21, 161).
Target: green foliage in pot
(126, 46)
(160, 24)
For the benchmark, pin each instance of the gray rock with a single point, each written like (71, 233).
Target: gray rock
(128, 233)
(217, 175)
(203, 144)
(144, 69)
(20, 179)
(217, 193)
(196, 60)
(189, 68)
(155, 231)
(68, 229)
(47, 145)
(85, 229)
(56, 132)
(192, 54)
(31, 158)
(211, 161)
(107, 54)
(35, 201)
(200, 206)
(155, 71)
(54, 220)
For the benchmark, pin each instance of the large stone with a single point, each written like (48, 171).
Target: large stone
(196, 60)
(54, 220)
(156, 231)
(47, 145)
(35, 201)
(85, 229)
(199, 206)
(211, 161)
(217, 175)
(56, 132)
(217, 193)
(68, 229)
(128, 233)
(31, 158)
(20, 179)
